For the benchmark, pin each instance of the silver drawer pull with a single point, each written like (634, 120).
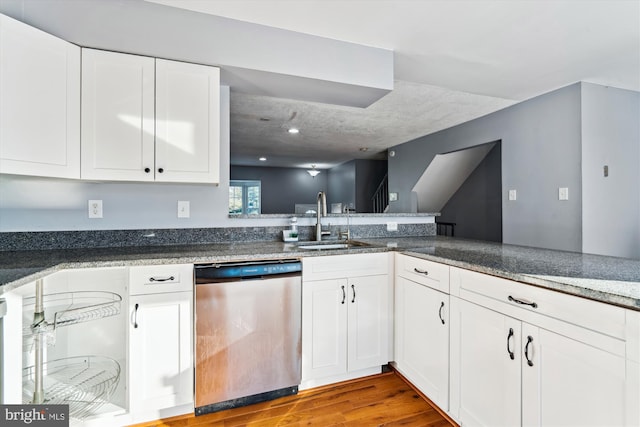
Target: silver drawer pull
(161, 279)
(523, 302)
(417, 270)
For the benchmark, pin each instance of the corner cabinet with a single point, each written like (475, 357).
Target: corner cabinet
(40, 102)
(422, 326)
(160, 341)
(522, 355)
(345, 317)
(147, 119)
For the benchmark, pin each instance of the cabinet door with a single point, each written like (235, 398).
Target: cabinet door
(117, 116)
(324, 328)
(187, 122)
(571, 383)
(422, 339)
(485, 380)
(160, 348)
(39, 102)
(367, 320)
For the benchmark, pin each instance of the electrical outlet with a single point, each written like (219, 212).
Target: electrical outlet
(95, 208)
(183, 209)
(392, 226)
(512, 195)
(563, 193)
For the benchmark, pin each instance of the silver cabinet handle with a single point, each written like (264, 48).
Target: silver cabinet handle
(161, 279)
(417, 270)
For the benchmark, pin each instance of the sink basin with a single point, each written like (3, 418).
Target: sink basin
(330, 245)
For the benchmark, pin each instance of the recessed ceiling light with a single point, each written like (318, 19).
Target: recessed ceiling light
(294, 130)
(263, 159)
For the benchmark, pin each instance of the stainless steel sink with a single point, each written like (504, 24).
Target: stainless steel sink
(331, 245)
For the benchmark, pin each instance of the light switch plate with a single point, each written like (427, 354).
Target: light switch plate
(393, 197)
(563, 193)
(183, 209)
(512, 195)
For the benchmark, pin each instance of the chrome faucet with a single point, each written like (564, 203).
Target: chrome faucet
(321, 210)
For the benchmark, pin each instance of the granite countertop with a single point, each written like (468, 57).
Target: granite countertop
(608, 279)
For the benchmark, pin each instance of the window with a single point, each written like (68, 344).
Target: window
(244, 197)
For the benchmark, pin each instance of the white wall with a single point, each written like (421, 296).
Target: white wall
(610, 205)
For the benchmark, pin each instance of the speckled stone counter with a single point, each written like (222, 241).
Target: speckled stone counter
(607, 279)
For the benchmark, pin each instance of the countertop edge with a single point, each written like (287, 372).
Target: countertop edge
(567, 288)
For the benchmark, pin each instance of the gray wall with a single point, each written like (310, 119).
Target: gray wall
(369, 174)
(476, 207)
(282, 188)
(610, 205)
(354, 182)
(540, 152)
(342, 184)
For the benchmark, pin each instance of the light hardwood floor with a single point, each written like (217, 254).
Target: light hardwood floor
(380, 400)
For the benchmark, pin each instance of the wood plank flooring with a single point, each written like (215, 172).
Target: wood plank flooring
(381, 400)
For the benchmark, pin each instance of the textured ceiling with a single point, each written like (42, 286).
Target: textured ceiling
(446, 54)
(331, 134)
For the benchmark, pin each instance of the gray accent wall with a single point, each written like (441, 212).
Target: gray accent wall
(282, 188)
(476, 208)
(611, 137)
(355, 182)
(563, 138)
(541, 151)
(342, 184)
(369, 175)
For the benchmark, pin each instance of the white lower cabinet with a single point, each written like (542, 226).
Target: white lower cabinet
(160, 343)
(345, 320)
(516, 364)
(422, 338)
(485, 379)
(422, 326)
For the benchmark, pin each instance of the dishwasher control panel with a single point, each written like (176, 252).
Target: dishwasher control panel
(246, 270)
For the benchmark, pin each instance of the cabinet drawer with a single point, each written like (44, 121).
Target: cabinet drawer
(529, 300)
(153, 279)
(428, 273)
(340, 266)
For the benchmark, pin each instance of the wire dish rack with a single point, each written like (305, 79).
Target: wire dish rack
(69, 308)
(84, 383)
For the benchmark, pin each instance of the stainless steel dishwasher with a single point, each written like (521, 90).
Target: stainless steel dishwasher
(248, 333)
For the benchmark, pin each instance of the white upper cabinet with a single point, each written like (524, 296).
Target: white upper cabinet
(39, 102)
(147, 119)
(187, 122)
(117, 116)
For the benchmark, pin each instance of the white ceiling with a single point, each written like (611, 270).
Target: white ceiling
(454, 61)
